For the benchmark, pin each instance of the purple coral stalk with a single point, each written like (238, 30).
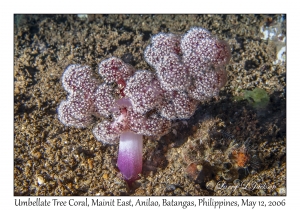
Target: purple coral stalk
(188, 70)
(130, 155)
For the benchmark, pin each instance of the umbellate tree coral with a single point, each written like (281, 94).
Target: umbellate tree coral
(135, 103)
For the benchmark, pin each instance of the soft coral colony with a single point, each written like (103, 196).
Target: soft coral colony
(188, 69)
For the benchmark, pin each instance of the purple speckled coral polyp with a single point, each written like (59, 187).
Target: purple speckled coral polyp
(189, 69)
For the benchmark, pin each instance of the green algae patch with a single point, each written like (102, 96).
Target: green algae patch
(257, 98)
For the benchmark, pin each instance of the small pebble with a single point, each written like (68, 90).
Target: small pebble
(40, 180)
(281, 191)
(192, 171)
(170, 187)
(210, 185)
(105, 176)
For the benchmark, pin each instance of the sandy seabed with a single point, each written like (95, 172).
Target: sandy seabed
(201, 156)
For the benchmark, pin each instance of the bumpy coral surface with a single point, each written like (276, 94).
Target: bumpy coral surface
(126, 104)
(188, 69)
